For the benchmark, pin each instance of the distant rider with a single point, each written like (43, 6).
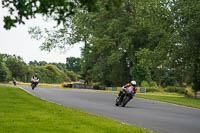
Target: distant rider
(14, 81)
(35, 79)
(129, 88)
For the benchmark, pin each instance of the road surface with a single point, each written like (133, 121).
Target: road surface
(152, 115)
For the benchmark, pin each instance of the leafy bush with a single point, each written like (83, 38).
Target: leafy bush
(14, 66)
(152, 89)
(51, 74)
(153, 84)
(72, 75)
(175, 89)
(190, 92)
(145, 84)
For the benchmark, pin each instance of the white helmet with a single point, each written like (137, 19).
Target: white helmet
(133, 83)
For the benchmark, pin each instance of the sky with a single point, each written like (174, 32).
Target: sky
(17, 41)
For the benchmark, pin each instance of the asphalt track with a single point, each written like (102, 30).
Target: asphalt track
(152, 115)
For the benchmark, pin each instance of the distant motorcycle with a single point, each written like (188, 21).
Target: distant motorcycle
(123, 98)
(34, 83)
(14, 82)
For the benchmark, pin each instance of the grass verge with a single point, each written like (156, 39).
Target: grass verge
(22, 113)
(171, 98)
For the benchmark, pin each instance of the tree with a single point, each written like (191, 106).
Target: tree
(33, 63)
(5, 74)
(61, 66)
(102, 60)
(51, 74)
(59, 10)
(73, 64)
(186, 21)
(140, 40)
(17, 66)
(72, 75)
(48, 73)
(112, 39)
(36, 63)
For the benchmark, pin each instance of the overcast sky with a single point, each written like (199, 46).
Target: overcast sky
(17, 41)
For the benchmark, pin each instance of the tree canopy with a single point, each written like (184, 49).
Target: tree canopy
(155, 41)
(59, 10)
(12, 66)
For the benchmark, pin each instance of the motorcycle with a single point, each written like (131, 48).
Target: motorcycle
(14, 82)
(123, 98)
(34, 83)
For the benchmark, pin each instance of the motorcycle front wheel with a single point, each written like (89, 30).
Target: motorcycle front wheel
(117, 101)
(33, 86)
(126, 100)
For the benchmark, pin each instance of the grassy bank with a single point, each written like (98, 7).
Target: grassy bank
(175, 98)
(23, 113)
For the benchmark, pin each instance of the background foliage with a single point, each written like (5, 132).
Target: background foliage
(12, 66)
(155, 41)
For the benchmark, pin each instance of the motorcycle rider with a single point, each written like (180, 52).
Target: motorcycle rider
(35, 79)
(129, 89)
(14, 81)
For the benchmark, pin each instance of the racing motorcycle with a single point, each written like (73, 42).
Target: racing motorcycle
(34, 83)
(123, 98)
(14, 82)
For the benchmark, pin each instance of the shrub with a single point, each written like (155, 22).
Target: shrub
(175, 89)
(190, 92)
(153, 84)
(72, 75)
(145, 84)
(51, 74)
(152, 89)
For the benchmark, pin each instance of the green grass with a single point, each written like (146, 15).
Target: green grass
(22, 113)
(175, 98)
